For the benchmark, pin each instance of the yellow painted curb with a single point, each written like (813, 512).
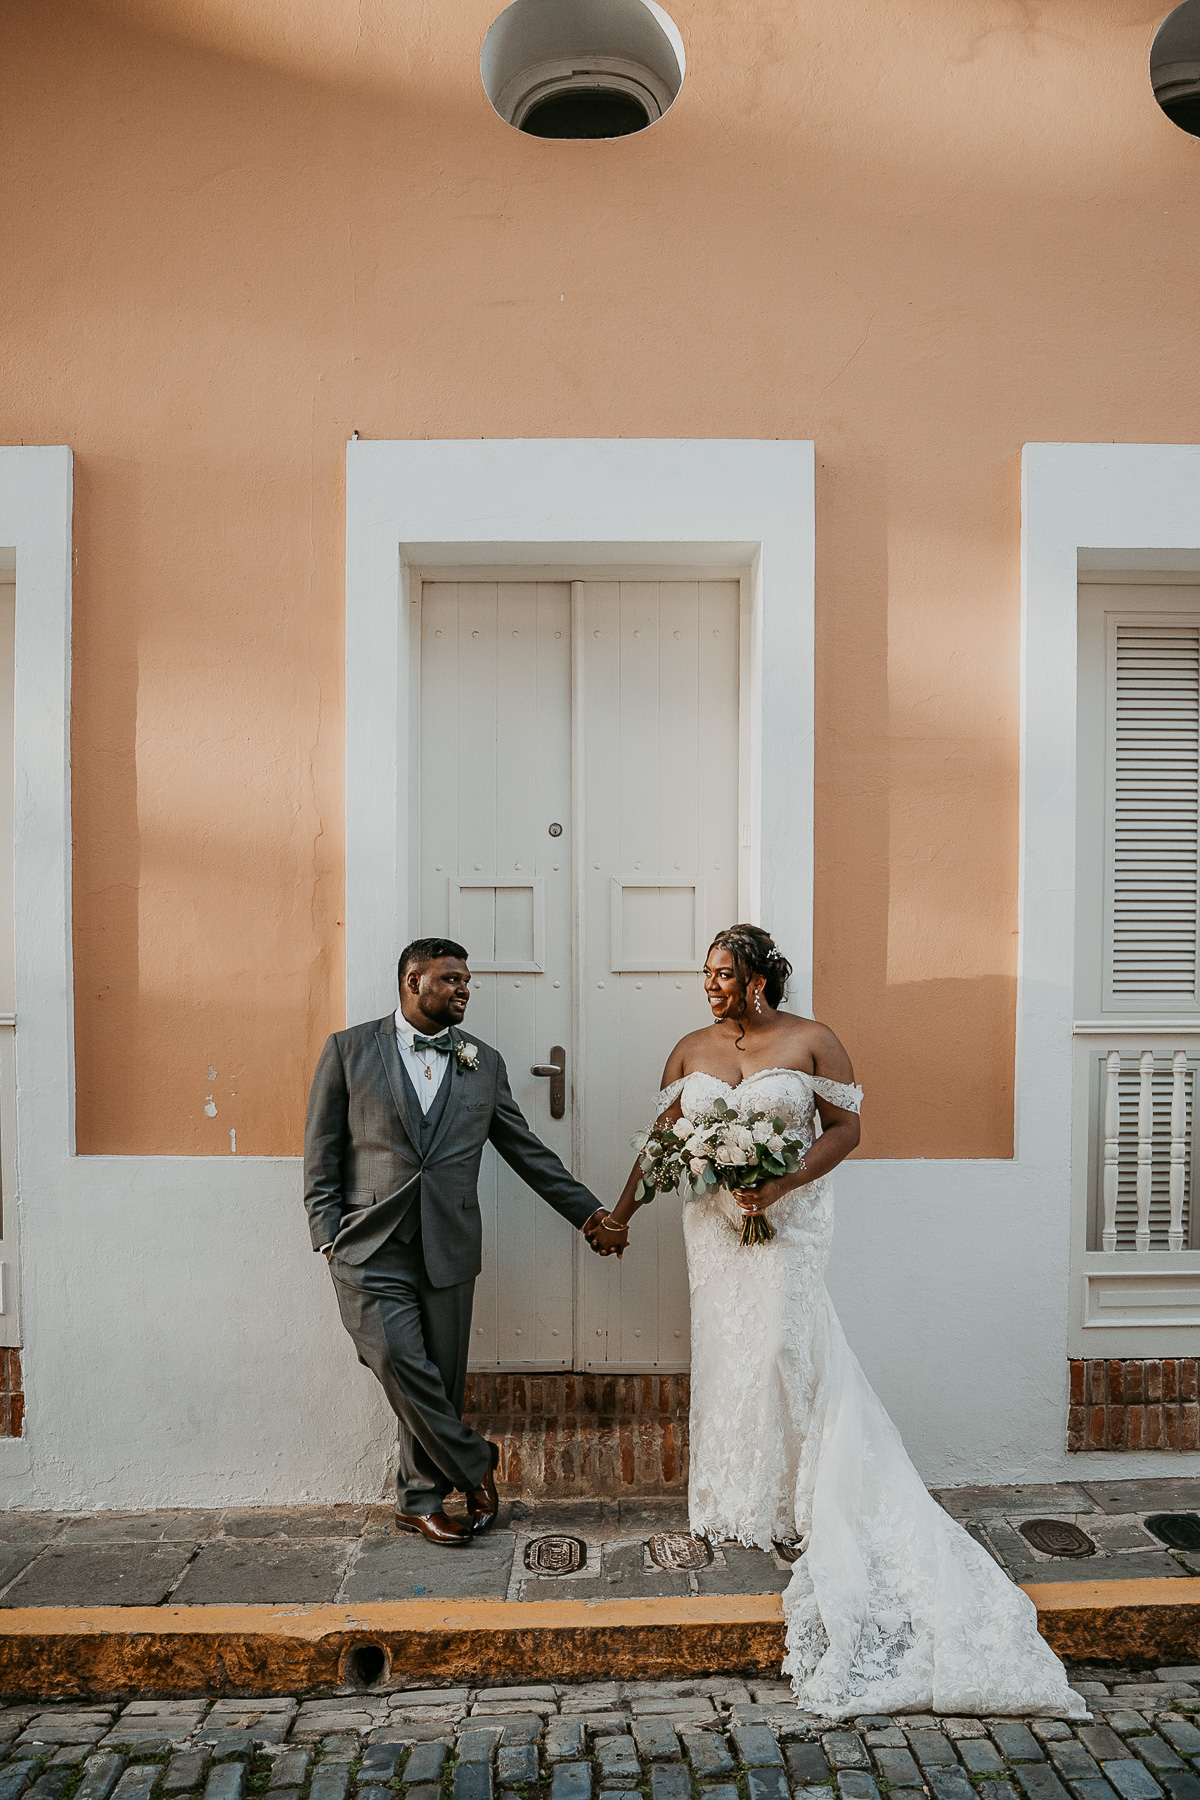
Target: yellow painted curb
(182, 1650)
(94, 1651)
(1120, 1621)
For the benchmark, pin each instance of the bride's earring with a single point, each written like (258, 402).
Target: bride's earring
(758, 1001)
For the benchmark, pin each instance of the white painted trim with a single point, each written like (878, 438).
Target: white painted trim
(35, 528)
(576, 504)
(1086, 507)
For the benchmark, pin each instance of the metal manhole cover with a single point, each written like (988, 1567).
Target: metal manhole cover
(1179, 1531)
(1057, 1537)
(676, 1550)
(555, 1555)
(790, 1553)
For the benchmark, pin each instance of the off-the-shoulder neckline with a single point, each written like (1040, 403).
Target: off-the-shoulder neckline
(757, 1074)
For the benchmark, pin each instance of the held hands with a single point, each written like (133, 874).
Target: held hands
(606, 1237)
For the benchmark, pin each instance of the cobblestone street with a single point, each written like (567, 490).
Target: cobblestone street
(689, 1740)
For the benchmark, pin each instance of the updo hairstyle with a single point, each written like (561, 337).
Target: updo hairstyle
(754, 953)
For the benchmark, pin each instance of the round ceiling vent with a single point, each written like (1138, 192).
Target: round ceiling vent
(582, 68)
(1175, 66)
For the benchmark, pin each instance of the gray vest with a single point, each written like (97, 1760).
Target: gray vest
(427, 1124)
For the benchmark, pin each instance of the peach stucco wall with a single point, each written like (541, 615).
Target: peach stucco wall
(235, 231)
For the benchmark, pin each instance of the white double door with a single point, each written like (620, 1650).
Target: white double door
(579, 835)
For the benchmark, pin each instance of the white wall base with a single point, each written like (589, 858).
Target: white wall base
(183, 1345)
(949, 1278)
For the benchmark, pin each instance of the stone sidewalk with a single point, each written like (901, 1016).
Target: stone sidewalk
(699, 1740)
(607, 1550)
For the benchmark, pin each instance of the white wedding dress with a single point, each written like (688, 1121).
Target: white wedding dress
(892, 1607)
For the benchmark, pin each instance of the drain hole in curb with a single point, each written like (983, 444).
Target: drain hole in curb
(365, 1664)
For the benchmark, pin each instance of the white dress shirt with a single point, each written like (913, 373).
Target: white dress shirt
(425, 1067)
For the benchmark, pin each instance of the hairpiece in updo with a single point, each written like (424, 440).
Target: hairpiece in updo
(754, 952)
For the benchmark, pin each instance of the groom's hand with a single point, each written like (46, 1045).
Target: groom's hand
(606, 1237)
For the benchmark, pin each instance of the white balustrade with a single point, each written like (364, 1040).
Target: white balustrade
(1178, 1147)
(1145, 1151)
(1112, 1146)
(1144, 1170)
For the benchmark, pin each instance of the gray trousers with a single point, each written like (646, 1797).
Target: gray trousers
(415, 1338)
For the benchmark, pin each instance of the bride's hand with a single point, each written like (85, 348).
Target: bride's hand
(757, 1199)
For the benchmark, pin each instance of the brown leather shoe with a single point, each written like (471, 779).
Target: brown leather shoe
(483, 1502)
(438, 1527)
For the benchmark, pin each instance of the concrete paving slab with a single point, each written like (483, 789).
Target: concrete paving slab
(273, 1572)
(1030, 1502)
(14, 1558)
(30, 1527)
(1170, 1493)
(1115, 1532)
(295, 1522)
(100, 1575)
(405, 1567)
(745, 1572)
(177, 1526)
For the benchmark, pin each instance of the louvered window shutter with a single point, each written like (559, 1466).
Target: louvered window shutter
(1151, 952)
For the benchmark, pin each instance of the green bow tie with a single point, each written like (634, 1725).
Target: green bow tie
(443, 1043)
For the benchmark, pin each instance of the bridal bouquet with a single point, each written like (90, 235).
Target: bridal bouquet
(718, 1147)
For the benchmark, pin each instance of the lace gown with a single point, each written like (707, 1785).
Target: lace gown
(892, 1607)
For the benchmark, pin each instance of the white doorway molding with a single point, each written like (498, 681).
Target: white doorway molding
(35, 522)
(570, 507)
(1086, 507)
(35, 531)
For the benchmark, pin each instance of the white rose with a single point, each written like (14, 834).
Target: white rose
(729, 1153)
(696, 1165)
(774, 1144)
(763, 1131)
(683, 1129)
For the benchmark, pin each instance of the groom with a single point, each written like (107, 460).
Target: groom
(399, 1112)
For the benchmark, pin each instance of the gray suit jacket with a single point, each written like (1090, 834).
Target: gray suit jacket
(361, 1155)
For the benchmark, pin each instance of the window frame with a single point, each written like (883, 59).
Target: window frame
(1132, 510)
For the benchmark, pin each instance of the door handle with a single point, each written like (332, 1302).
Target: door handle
(556, 1069)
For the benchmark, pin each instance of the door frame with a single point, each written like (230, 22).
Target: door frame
(570, 509)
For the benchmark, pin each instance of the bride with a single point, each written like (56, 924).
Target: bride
(891, 1607)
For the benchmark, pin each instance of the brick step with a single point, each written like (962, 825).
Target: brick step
(573, 1436)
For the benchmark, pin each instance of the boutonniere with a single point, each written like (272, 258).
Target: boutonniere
(467, 1055)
